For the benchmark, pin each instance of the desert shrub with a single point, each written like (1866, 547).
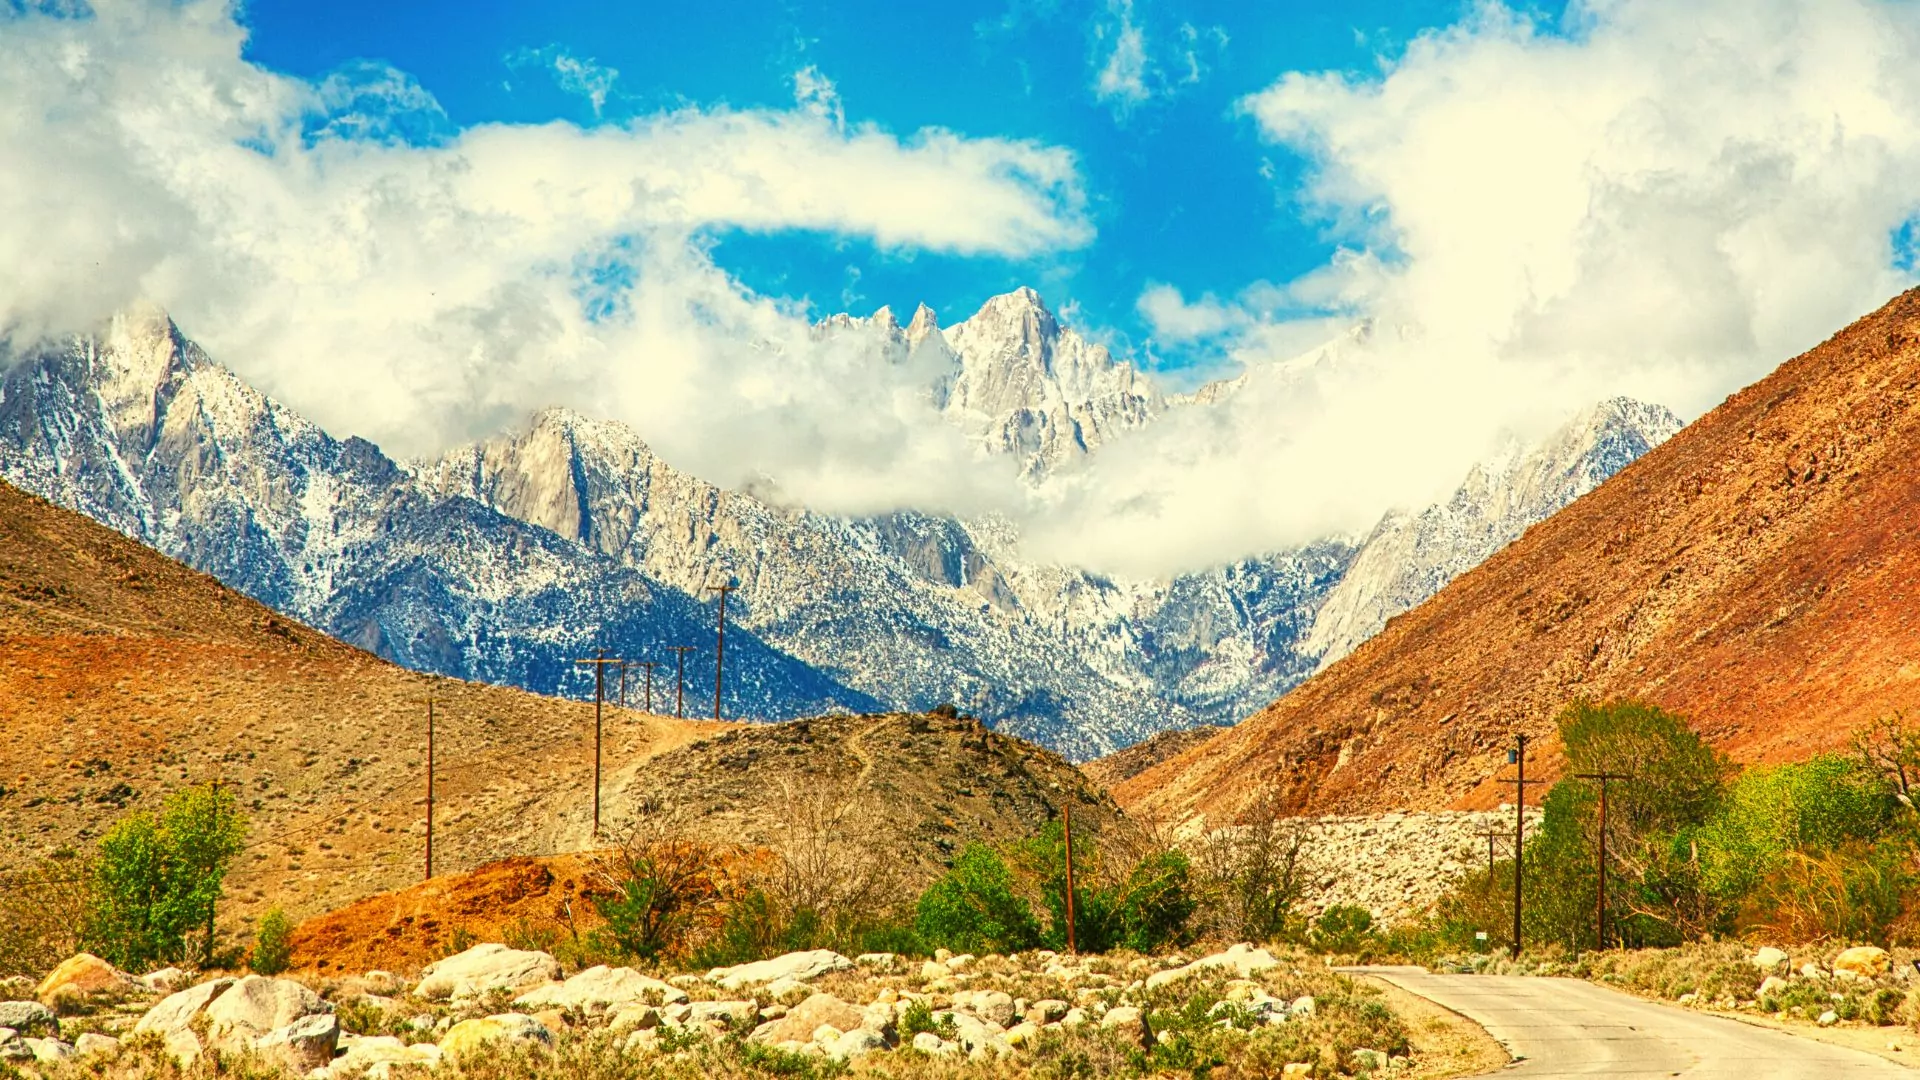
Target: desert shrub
(157, 880)
(272, 943)
(753, 927)
(42, 911)
(1857, 892)
(1250, 876)
(1768, 813)
(658, 892)
(1342, 928)
(1157, 903)
(974, 907)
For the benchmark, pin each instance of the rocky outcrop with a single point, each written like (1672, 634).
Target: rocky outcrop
(483, 969)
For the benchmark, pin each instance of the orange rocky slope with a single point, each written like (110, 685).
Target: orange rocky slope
(123, 675)
(1757, 573)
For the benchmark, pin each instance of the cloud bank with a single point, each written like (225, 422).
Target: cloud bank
(343, 248)
(1663, 200)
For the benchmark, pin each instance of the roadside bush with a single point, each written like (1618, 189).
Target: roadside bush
(1341, 929)
(1250, 876)
(158, 879)
(272, 943)
(657, 892)
(974, 907)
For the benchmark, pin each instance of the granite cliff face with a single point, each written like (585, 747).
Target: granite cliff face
(503, 559)
(138, 429)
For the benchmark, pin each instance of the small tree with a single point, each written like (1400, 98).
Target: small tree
(974, 908)
(657, 889)
(272, 943)
(1251, 875)
(158, 880)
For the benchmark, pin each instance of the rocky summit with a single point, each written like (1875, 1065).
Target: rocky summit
(505, 559)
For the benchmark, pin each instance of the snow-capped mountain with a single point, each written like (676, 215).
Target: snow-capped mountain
(137, 428)
(502, 559)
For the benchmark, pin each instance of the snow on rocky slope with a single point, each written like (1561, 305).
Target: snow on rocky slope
(137, 428)
(502, 559)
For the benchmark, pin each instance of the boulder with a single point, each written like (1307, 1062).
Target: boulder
(927, 1042)
(83, 975)
(376, 1056)
(1370, 1060)
(856, 1043)
(28, 1018)
(1127, 1021)
(172, 1016)
(484, 969)
(1768, 958)
(1023, 1033)
(48, 1051)
(802, 1019)
(93, 1042)
(1047, 1011)
(603, 989)
(1772, 984)
(303, 1045)
(469, 1036)
(934, 969)
(1302, 1006)
(166, 980)
(993, 1005)
(1296, 1068)
(800, 966)
(1865, 961)
(1829, 1018)
(726, 1012)
(13, 1047)
(979, 1038)
(635, 1018)
(1242, 959)
(256, 1005)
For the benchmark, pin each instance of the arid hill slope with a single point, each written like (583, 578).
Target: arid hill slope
(124, 675)
(1757, 572)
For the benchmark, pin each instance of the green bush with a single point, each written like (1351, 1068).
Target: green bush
(974, 907)
(272, 943)
(1342, 928)
(1813, 805)
(157, 880)
(1158, 904)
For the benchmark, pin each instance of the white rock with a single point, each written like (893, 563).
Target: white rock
(1302, 1006)
(305, 1044)
(484, 969)
(729, 1012)
(171, 1017)
(1768, 958)
(1243, 959)
(926, 1042)
(1047, 1010)
(257, 1005)
(93, 1042)
(1772, 984)
(602, 989)
(27, 1017)
(48, 1051)
(1829, 1018)
(166, 980)
(797, 965)
(856, 1043)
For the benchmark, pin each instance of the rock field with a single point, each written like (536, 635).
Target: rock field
(1394, 865)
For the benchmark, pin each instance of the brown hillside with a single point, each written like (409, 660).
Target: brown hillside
(930, 785)
(124, 675)
(1757, 573)
(1141, 756)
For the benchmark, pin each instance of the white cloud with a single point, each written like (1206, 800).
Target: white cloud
(1667, 202)
(1122, 78)
(421, 294)
(584, 78)
(817, 95)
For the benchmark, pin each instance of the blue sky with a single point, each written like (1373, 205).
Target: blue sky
(420, 223)
(1181, 188)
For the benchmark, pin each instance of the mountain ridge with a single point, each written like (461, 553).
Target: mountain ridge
(1752, 573)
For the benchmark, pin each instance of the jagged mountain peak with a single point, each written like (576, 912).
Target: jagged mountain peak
(924, 325)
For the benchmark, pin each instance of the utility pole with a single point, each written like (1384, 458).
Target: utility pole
(649, 665)
(429, 876)
(1517, 757)
(720, 649)
(1600, 906)
(623, 685)
(1066, 809)
(680, 694)
(599, 664)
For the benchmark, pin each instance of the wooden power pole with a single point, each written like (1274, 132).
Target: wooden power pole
(720, 647)
(648, 665)
(680, 693)
(1066, 811)
(429, 785)
(1600, 905)
(1517, 757)
(599, 664)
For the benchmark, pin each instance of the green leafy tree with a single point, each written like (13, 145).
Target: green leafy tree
(974, 907)
(272, 943)
(1097, 922)
(158, 880)
(1158, 905)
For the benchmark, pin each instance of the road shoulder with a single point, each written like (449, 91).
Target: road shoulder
(1445, 1043)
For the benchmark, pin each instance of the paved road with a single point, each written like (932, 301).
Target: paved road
(1567, 1027)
